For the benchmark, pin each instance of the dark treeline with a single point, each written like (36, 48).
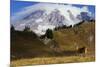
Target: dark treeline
(70, 26)
(25, 33)
(28, 33)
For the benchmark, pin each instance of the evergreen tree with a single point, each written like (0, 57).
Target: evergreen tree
(27, 29)
(12, 28)
(64, 26)
(49, 33)
(55, 28)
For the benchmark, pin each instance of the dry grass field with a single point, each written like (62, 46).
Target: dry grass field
(51, 60)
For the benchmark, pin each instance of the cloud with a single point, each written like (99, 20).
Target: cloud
(84, 9)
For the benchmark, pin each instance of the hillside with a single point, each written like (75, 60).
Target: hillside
(81, 35)
(26, 45)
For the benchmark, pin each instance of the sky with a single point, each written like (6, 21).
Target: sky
(17, 6)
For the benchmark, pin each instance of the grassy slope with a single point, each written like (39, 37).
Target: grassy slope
(67, 38)
(27, 48)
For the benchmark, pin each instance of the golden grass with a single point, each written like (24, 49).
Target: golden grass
(67, 38)
(51, 60)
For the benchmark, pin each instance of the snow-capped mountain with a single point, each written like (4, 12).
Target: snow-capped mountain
(40, 17)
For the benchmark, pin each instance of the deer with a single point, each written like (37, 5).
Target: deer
(82, 51)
